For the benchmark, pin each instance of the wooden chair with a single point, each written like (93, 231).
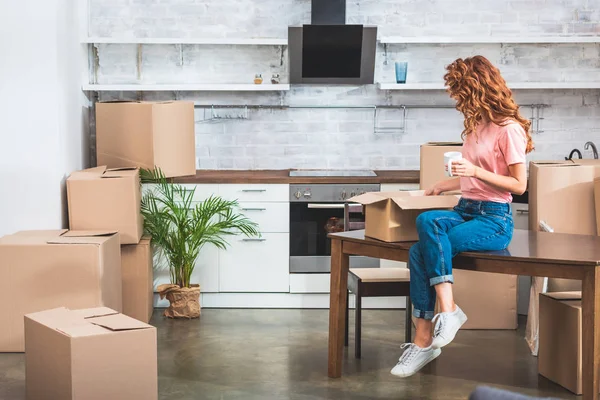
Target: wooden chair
(377, 282)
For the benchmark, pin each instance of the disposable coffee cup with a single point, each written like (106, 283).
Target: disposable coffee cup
(449, 157)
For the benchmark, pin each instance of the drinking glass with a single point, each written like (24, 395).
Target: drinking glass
(401, 68)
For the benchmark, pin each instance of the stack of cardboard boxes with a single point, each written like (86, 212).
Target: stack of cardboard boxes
(67, 288)
(561, 194)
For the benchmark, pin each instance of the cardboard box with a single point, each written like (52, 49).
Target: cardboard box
(597, 203)
(147, 134)
(42, 269)
(91, 354)
(106, 199)
(558, 186)
(433, 169)
(391, 216)
(138, 280)
(560, 353)
(489, 300)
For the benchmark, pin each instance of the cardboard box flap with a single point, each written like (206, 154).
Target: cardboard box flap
(94, 312)
(374, 197)
(81, 330)
(31, 237)
(368, 198)
(82, 237)
(564, 295)
(90, 173)
(426, 202)
(120, 172)
(555, 163)
(118, 322)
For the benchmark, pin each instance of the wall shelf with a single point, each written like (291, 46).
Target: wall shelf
(488, 39)
(516, 85)
(215, 41)
(200, 87)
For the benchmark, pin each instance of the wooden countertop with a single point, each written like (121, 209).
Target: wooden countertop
(282, 176)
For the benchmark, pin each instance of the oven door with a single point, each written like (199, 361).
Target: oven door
(310, 223)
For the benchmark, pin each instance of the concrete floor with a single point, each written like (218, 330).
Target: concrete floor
(282, 354)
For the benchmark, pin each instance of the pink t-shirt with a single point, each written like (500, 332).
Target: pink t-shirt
(493, 148)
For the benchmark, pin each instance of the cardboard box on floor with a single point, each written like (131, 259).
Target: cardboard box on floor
(138, 280)
(391, 216)
(42, 269)
(147, 134)
(101, 199)
(433, 169)
(91, 354)
(560, 353)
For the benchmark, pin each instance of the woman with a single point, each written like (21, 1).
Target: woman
(495, 140)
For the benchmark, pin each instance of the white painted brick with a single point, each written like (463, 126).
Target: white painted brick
(344, 138)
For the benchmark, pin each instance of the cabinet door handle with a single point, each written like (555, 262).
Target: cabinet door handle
(254, 190)
(253, 240)
(522, 211)
(254, 209)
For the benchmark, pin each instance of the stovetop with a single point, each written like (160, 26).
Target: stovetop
(331, 173)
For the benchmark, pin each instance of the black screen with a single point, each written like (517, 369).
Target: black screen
(331, 51)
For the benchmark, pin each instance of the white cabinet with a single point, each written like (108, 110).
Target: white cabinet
(270, 217)
(256, 265)
(206, 271)
(255, 192)
(393, 187)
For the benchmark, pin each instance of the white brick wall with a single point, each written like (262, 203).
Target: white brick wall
(344, 137)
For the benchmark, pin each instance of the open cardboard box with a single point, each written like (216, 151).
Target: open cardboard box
(45, 269)
(92, 354)
(391, 216)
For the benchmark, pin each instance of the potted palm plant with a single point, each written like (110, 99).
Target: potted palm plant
(180, 228)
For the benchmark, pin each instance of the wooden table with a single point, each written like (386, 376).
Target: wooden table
(554, 255)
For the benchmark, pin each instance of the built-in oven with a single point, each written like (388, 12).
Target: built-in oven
(317, 210)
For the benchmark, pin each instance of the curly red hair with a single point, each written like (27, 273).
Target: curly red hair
(481, 94)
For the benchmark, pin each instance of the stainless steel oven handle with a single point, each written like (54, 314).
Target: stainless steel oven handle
(326, 205)
(254, 240)
(254, 209)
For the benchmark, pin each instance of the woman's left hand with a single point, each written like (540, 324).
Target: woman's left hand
(463, 167)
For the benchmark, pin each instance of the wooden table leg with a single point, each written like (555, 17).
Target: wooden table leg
(337, 307)
(591, 334)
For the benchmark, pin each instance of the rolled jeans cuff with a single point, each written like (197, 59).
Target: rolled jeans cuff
(441, 279)
(428, 315)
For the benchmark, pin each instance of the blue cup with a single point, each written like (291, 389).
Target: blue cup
(401, 68)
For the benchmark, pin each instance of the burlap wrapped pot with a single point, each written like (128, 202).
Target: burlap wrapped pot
(183, 302)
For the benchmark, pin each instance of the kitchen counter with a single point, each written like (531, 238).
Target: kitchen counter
(282, 176)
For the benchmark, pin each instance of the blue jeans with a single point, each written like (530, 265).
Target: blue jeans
(471, 226)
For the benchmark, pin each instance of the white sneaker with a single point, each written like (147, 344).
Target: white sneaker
(413, 359)
(447, 325)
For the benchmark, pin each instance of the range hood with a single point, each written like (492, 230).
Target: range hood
(328, 51)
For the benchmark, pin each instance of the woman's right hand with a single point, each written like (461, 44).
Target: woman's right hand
(433, 191)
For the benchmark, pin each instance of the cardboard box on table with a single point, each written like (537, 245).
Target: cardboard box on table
(391, 216)
(138, 280)
(91, 354)
(433, 169)
(147, 134)
(101, 199)
(42, 269)
(560, 350)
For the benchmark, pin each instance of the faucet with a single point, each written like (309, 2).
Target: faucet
(594, 149)
(574, 151)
